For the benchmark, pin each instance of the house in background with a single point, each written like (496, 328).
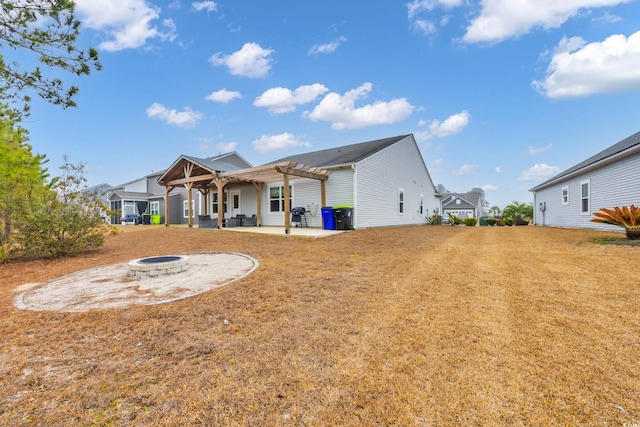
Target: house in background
(608, 179)
(385, 182)
(146, 196)
(463, 205)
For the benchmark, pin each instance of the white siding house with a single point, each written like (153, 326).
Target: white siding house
(385, 181)
(608, 179)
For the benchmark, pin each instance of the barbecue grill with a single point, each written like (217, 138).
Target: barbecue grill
(298, 216)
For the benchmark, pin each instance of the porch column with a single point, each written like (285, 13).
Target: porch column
(258, 187)
(220, 189)
(190, 202)
(323, 194)
(166, 205)
(287, 208)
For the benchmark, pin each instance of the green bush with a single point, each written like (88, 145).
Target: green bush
(454, 219)
(508, 221)
(470, 222)
(62, 219)
(491, 222)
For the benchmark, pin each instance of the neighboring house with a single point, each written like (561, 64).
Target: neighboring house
(385, 181)
(146, 196)
(607, 179)
(463, 205)
(102, 191)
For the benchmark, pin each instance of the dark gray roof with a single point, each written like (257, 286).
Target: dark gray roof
(617, 148)
(341, 155)
(131, 194)
(470, 199)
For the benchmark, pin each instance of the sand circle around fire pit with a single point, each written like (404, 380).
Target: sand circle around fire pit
(111, 286)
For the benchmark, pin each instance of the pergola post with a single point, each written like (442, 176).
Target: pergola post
(166, 205)
(323, 194)
(287, 208)
(258, 187)
(220, 188)
(190, 203)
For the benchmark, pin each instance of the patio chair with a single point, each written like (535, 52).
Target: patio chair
(205, 221)
(251, 221)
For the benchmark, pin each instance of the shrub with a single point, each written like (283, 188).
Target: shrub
(62, 219)
(470, 222)
(491, 222)
(625, 217)
(507, 221)
(454, 219)
(435, 218)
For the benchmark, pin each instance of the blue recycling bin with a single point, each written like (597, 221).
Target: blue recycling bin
(328, 221)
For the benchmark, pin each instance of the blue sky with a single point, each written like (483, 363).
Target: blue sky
(499, 94)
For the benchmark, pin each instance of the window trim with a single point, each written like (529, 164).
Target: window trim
(587, 198)
(280, 198)
(564, 191)
(152, 210)
(185, 208)
(401, 201)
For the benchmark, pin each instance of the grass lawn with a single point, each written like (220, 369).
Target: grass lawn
(408, 326)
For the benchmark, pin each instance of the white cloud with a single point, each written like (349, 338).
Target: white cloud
(226, 147)
(281, 100)
(251, 61)
(328, 47)
(464, 170)
(489, 187)
(498, 169)
(284, 141)
(186, 119)
(416, 8)
(580, 69)
(223, 96)
(340, 110)
(438, 162)
(207, 6)
(450, 126)
(538, 150)
(539, 172)
(126, 23)
(503, 19)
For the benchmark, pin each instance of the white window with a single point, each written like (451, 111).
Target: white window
(585, 195)
(458, 201)
(185, 208)
(401, 201)
(154, 208)
(565, 195)
(215, 202)
(276, 199)
(421, 204)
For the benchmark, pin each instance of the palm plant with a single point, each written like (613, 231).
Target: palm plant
(520, 213)
(625, 217)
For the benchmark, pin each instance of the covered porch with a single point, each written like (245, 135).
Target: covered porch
(193, 174)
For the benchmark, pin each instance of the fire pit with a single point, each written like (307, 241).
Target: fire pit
(158, 266)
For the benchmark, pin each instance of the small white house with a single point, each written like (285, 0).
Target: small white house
(608, 179)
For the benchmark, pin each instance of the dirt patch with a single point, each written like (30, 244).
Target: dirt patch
(109, 287)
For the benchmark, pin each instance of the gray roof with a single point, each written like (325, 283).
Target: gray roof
(471, 199)
(625, 144)
(214, 164)
(342, 155)
(131, 194)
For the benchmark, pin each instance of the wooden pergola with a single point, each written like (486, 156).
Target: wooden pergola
(190, 174)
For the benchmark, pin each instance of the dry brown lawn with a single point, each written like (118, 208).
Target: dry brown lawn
(409, 326)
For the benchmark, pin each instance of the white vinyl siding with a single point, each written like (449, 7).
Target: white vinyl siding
(378, 178)
(615, 184)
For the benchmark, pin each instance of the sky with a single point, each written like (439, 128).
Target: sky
(499, 95)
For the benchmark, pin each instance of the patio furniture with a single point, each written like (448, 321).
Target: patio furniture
(251, 221)
(205, 221)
